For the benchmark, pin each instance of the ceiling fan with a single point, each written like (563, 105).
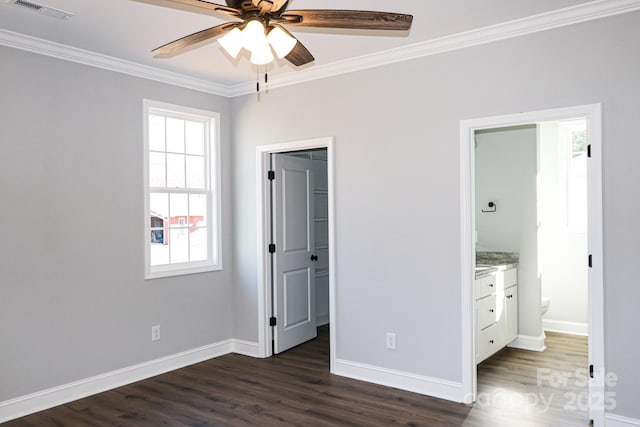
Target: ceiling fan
(260, 27)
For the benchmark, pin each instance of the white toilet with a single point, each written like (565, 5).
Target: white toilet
(544, 306)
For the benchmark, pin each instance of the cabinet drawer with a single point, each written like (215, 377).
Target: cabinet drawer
(485, 286)
(486, 308)
(488, 342)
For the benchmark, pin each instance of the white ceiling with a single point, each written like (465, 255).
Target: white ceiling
(128, 30)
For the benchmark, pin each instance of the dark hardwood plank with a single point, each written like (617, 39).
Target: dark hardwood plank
(296, 389)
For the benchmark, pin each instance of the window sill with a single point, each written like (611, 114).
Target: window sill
(159, 273)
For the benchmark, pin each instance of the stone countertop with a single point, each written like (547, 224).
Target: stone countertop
(490, 262)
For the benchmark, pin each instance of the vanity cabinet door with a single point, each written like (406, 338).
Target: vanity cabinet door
(510, 278)
(511, 311)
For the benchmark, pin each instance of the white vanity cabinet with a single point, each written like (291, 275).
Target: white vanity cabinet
(496, 308)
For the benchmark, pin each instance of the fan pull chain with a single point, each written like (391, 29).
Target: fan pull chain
(266, 78)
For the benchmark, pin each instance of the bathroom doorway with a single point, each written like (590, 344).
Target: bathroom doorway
(520, 206)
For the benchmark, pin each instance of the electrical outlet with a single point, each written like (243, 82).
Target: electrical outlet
(391, 341)
(155, 333)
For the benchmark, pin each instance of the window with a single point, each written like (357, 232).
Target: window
(182, 195)
(574, 132)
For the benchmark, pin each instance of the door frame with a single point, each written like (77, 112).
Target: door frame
(593, 112)
(264, 226)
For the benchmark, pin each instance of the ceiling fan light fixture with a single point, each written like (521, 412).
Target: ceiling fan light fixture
(259, 31)
(232, 42)
(262, 55)
(281, 42)
(253, 35)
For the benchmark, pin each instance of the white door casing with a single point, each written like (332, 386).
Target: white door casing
(263, 238)
(294, 290)
(593, 114)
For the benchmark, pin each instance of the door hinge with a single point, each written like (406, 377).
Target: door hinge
(272, 321)
(589, 150)
(591, 371)
(590, 261)
(272, 248)
(271, 175)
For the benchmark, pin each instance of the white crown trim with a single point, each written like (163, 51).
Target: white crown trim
(536, 23)
(93, 59)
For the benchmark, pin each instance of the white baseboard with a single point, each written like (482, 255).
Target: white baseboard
(528, 342)
(246, 348)
(435, 387)
(45, 399)
(564, 327)
(612, 420)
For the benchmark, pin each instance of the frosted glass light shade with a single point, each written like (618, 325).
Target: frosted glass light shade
(262, 54)
(281, 41)
(232, 42)
(253, 35)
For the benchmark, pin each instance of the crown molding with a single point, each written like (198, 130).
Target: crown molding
(93, 59)
(533, 24)
(590, 11)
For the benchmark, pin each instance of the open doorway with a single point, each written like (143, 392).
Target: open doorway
(295, 244)
(526, 331)
(299, 246)
(531, 245)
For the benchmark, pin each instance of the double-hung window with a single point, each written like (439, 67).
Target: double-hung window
(182, 190)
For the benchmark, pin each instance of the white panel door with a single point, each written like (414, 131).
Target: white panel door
(294, 292)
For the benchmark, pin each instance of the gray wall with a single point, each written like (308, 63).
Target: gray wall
(506, 170)
(398, 186)
(73, 301)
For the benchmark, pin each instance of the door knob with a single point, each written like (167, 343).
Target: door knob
(314, 258)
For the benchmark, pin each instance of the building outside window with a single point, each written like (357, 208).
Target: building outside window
(182, 190)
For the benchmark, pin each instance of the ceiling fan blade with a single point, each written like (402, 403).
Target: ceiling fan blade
(177, 47)
(201, 6)
(300, 55)
(348, 19)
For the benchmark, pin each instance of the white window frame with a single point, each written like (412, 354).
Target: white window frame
(565, 134)
(214, 227)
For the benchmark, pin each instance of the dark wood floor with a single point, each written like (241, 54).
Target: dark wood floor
(527, 388)
(296, 389)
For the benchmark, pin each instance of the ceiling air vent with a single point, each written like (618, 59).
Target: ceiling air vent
(42, 8)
